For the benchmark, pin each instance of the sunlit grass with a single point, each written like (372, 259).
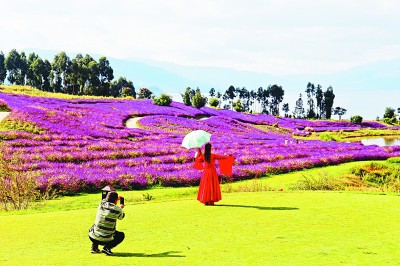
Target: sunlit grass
(279, 182)
(356, 135)
(18, 125)
(254, 228)
(272, 225)
(27, 90)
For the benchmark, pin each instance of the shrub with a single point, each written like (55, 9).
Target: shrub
(4, 106)
(390, 121)
(17, 188)
(126, 91)
(198, 101)
(163, 100)
(238, 106)
(384, 176)
(324, 182)
(356, 119)
(214, 102)
(147, 197)
(254, 186)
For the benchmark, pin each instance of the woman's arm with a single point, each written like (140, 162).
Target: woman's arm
(217, 156)
(198, 153)
(198, 161)
(225, 164)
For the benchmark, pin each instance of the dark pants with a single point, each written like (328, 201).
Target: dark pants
(118, 238)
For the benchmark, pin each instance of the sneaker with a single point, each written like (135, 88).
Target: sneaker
(95, 249)
(107, 251)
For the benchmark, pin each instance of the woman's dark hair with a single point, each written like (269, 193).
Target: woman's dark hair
(112, 196)
(207, 152)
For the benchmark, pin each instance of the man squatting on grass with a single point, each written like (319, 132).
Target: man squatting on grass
(103, 231)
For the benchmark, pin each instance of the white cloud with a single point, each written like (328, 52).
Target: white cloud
(285, 36)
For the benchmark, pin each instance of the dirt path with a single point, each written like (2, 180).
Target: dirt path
(3, 115)
(132, 122)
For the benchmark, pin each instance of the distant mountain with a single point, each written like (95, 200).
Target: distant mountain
(367, 89)
(169, 77)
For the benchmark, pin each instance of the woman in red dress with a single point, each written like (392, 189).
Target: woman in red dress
(209, 189)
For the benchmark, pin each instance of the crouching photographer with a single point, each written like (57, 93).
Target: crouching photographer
(103, 231)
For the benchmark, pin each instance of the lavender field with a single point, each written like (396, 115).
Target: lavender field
(81, 145)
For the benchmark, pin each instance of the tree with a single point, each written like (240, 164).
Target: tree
(299, 109)
(16, 65)
(253, 97)
(319, 95)
(244, 97)
(36, 71)
(84, 75)
(310, 100)
(46, 75)
(74, 74)
(126, 92)
(106, 75)
(93, 83)
(285, 109)
(31, 79)
(144, 93)
(198, 100)
(389, 113)
(262, 96)
(329, 98)
(229, 95)
(390, 117)
(187, 96)
(118, 85)
(339, 111)
(212, 92)
(276, 93)
(60, 67)
(23, 66)
(3, 70)
(356, 119)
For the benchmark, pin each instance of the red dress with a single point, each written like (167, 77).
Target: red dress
(209, 189)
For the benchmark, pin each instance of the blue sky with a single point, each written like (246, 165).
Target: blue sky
(353, 46)
(279, 37)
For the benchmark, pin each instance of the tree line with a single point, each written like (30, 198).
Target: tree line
(83, 75)
(319, 103)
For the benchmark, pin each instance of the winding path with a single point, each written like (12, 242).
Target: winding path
(132, 122)
(3, 115)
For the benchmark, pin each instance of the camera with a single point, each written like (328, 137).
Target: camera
(121, 200)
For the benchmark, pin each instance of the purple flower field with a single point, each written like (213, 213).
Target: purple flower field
(84, 144)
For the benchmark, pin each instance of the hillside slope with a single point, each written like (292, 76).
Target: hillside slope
(83, 144)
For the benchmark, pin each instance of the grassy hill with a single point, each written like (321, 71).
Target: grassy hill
(77, 144)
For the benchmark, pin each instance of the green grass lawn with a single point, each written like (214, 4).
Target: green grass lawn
(245, 228)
